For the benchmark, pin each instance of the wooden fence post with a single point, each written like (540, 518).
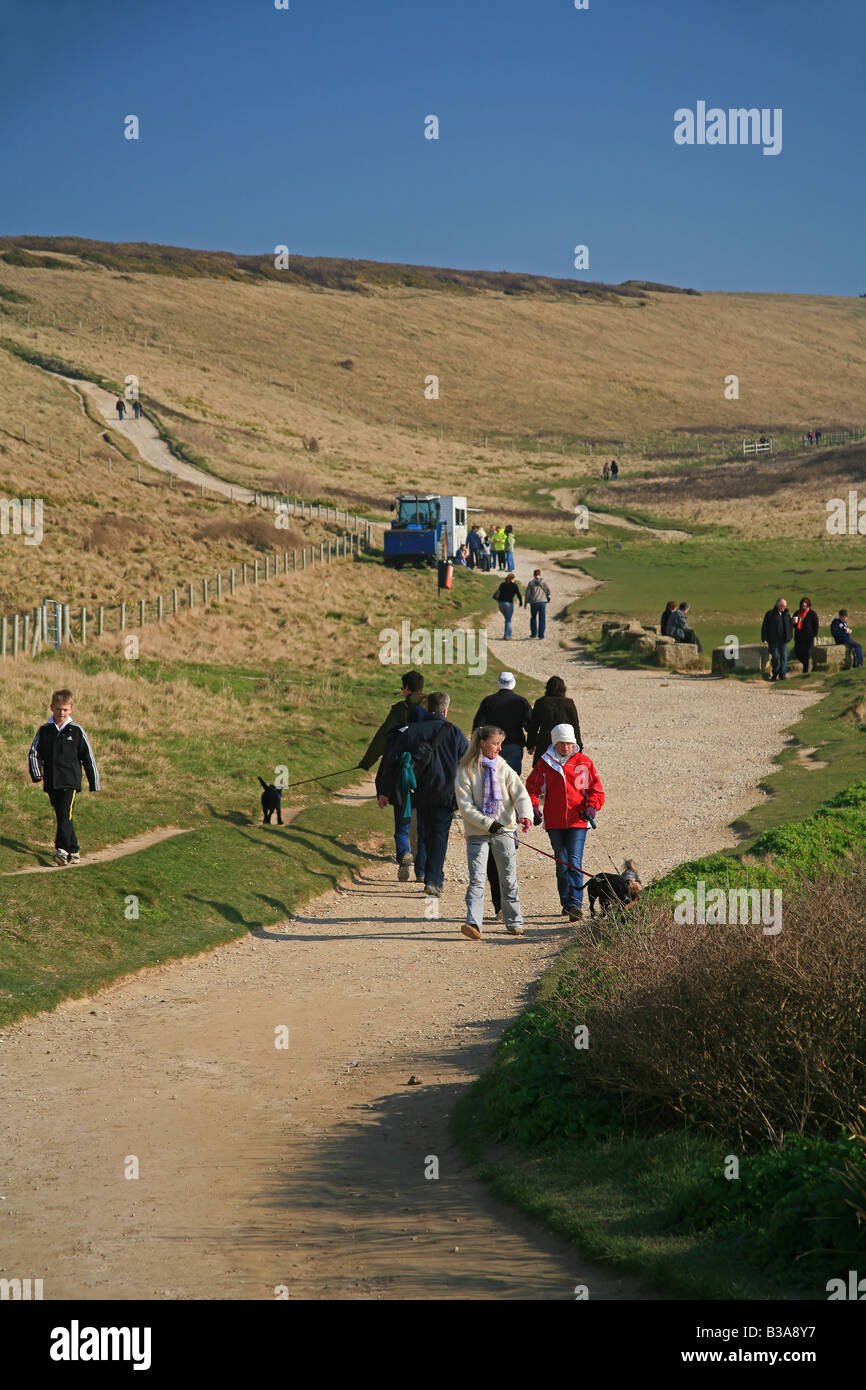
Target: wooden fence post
(15, 635)
(204, 592)
(244, 573)
(294, 559)
(84, 627)
(100, 621)
(321, 552)
(219, 587)
(174, 602)
(255, 571)
(122, 617)
(159, 609)
(37, 631)
(329, 552)
(304, 558)
(3, 627)
(285, 562)
(26, 643)
(232, 584)
(267, 568)
(191, 590)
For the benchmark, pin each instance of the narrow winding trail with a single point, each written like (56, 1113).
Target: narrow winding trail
(144, 435)
(305, 1166)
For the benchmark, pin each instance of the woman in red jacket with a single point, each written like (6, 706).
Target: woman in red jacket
(572, 794)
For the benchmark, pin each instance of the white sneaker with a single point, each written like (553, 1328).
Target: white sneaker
(61, 857)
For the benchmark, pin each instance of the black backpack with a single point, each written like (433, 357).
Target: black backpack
(422, 756)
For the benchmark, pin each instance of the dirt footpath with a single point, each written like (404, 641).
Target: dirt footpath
(304, 1166)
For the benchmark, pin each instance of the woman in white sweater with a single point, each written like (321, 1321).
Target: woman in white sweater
(492, 801)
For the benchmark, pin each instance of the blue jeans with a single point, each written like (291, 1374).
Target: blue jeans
(779, 659)
(855, 647)
(509, 559)
(512, 753)
(538, 618)
(507, 611)
(435, 822)
(403, 841)
(568, 845)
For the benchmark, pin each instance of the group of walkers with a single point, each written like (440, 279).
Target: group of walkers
(487, 550)
(428, 769)
(536, 599)
(780, 626)
(120, 407)
(610, 472)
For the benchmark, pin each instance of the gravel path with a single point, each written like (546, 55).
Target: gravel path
(304, 1167)
(144, 435)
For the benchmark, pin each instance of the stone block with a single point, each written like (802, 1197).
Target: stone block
(646, 645)
(678, 656)
(835, 658)
(752, 656)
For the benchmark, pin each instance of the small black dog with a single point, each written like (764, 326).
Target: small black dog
(271, 801)
(609, 889)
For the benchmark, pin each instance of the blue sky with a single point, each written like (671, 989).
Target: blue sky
(305, 127)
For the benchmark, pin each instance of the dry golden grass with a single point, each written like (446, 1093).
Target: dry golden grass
(108, 537)
(547, 368)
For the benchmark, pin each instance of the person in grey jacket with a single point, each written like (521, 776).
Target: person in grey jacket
(538, 597)
(678, 627)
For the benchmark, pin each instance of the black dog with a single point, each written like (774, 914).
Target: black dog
(609, 889)
(271, 802)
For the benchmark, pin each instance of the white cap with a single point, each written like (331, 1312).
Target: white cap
(562, 733)
(506, 680)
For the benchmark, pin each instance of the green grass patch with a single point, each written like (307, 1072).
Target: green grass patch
(165, 761)
(658, 1202)
(730, 584)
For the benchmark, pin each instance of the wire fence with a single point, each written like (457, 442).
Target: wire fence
(52, 625)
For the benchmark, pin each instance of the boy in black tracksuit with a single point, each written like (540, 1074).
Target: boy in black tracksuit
(57, 755)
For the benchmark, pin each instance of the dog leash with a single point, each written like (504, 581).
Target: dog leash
(524, 844)
(607, 852)
(305, 780)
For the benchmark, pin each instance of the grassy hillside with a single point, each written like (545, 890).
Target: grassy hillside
(540, 374)
(181, 735)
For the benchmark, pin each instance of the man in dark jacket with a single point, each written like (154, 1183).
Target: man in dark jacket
(806, 624)
(408, 840)
(554, 707)
(435, 797)
(473, 540)
(511, 713)
(397, 716)
(777, 631)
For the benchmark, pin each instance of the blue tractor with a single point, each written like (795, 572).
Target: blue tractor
(426, 528)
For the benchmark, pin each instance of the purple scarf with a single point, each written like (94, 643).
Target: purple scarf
(491, 801)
